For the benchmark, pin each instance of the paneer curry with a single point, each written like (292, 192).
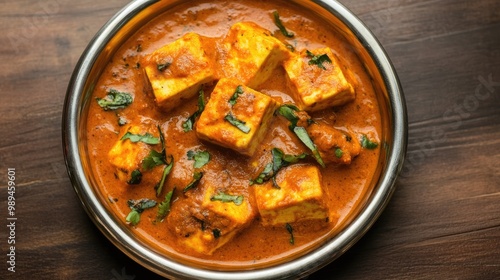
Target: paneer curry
(234, 133)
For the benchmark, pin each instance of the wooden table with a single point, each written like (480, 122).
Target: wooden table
(443, 221)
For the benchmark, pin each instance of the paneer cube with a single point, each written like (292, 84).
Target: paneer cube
(177, 70)
(250, 54)
(207, 226)
(127, 156)
(240, 126)
(317, 80)
(299, 198)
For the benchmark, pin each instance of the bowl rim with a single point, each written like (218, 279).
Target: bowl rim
(301, 266)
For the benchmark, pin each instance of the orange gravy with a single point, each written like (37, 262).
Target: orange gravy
(346, 186)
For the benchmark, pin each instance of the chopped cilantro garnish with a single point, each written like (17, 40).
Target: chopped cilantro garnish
(162, 66)
(288, 111)
(115, 100)
(164, 175)
(164, 206)
(241, 125)
(280, 25)
(146, 138)
(137, 207)
(136, 177)
(304, 137)
(236, 94)
(318, 60)
(367, 143)
(280, 160)
(290, 230)
(339, 152)
(216, 233)
(196, 179)
(189, 123)
(200, 158)
(236, 199)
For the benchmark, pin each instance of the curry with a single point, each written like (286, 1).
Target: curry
(234, 133)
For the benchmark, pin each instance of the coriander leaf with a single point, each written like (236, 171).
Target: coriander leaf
(137, 207)
(318, 60)
(288, 111)
(339, 153)
(367, 143)
(140, 205)
(277, 159)
(146, 138)
(161, 67)
(264, 176)
(216, 233)
(164, 175)
(280, 25)
(189, 123)
(196, 179)
(115, 100)
(164, 206)
(236, 94)
(152, 160)
(290, 230)
(241, 125)
(236, 199)
(200, 158)
(136, 177)
(293, 158)
(304, 137)
(133, 217)
(280, 160)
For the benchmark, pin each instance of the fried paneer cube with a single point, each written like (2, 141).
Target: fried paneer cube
(126, 155)
(177, 70)
(250, 54)
(217, 219)
(334, 146)
(317, 80)
(236, 117)
(300, 196)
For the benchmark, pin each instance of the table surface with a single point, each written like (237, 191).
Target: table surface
(442, 222)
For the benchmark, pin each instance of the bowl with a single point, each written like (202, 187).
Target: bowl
(393, 144)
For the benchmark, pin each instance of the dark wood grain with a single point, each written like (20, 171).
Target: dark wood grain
(443, 221)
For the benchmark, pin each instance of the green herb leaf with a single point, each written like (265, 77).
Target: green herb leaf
(140, 205)
(318, 60)
(133, 217)
(196, 179)
(339, 153)
(304, 137)
(241, 125)
(164, 175)
(236, 199)
(164, 206)
(280, 25)
(288, 111)
(280, 160)
(216, 233)
(146, 138)
(264, 176)
(200, 158)
(277, 159)
(236, 94)
(136, 177)
(367, 143)
(161, 67)
(152, 160)
(137, 207)
(189, 123)
(115, 100)
(290, 230)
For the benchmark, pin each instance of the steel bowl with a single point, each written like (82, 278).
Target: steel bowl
(393, 148)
